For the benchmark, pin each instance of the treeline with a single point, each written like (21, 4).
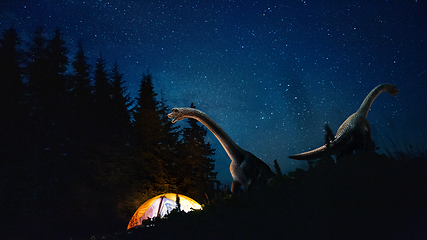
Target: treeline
(77, 154)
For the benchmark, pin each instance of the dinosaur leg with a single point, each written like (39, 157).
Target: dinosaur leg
(235, 186)
(369, 143)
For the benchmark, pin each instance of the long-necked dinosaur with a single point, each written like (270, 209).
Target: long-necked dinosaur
(246, 169)
(354, 133)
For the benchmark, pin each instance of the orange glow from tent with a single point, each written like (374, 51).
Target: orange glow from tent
(161, 205)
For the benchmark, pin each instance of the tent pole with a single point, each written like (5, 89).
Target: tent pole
(160, 205)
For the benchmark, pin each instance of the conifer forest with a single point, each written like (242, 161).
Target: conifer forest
(77, 153)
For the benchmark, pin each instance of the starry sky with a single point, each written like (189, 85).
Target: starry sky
(271, 73)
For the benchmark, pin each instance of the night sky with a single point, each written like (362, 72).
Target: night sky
(271, 73)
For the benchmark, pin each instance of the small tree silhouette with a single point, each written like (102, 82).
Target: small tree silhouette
(277, 168)
(178, 204)
(329, 137)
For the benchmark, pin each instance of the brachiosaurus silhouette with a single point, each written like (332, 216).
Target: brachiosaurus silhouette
(354, 133)
(246, 169)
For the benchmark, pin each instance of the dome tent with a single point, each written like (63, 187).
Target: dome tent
(161, 205)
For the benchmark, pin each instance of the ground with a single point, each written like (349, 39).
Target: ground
(363, 196)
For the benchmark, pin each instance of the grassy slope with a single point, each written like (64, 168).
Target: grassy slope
(364, 196)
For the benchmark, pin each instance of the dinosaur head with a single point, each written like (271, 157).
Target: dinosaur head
(392, 89)
(177, 114)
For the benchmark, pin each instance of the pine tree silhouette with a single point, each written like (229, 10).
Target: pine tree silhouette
(13, 111)
(197, 167)
(120, 108)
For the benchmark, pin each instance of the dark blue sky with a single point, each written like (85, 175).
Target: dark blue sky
(270, 73)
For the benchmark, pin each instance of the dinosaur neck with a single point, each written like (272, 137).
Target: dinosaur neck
(366, 104)
(232, 149)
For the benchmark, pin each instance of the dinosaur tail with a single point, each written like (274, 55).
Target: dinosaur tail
(317, 153)
(310, 155)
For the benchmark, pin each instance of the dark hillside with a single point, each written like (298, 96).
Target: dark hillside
(364, 196)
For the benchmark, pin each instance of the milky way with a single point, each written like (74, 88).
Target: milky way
(271, 74)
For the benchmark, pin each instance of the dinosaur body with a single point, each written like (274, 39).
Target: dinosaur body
(246, 169)
(354, 133)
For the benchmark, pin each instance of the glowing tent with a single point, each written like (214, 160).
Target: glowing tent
(161, 205)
